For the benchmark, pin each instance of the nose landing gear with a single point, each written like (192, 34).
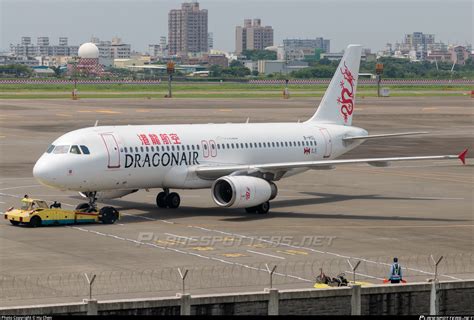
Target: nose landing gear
(88, 206)
(165, 199)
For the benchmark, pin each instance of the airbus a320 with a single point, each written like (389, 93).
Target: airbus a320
(240, 163)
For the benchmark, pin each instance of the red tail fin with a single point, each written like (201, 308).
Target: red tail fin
(462, 156)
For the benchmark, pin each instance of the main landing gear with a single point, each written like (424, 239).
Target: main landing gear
(166, 199)
(261, 208)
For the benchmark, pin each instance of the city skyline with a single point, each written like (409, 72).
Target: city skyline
(331, 20)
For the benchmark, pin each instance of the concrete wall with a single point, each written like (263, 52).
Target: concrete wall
(454, 298)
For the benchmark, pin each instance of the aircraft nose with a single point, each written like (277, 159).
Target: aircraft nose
(42, 172)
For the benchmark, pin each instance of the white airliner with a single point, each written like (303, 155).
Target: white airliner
(240, 163)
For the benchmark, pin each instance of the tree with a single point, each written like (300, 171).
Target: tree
(215, 71)
(57, 70)
(17, 70)
(255, 55)
(236, 63)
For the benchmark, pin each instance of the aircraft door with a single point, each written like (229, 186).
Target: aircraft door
(205, 148)
(112, 148)
(327, 142)
(213, 146)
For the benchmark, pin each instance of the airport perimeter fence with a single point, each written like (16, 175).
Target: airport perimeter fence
(160, 86)
(231, 276)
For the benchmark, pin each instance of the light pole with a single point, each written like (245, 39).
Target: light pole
(379, 71)
(170, 67)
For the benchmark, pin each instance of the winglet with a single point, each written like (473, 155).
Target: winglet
(462, 156)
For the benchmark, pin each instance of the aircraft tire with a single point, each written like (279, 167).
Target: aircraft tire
(82, 206)
(263, 208)
(173, 200)
(161, 200)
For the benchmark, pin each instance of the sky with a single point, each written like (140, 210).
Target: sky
(371, 23)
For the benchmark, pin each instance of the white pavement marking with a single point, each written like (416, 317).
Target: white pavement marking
(15, 196)
(19, 187)
(266, 254)
(317, 251)
(435, 198)
(292, 246)
(146, 218)
(185, 252)
(176, 236)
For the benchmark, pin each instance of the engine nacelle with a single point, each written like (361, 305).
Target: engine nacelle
(242, 191)
(110, 194)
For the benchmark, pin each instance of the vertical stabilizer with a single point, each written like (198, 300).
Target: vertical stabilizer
(337, 105)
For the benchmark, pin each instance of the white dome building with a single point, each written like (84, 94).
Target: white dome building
(88, 50)
(88, 62)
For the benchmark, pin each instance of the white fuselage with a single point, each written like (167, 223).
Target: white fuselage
(163, 156)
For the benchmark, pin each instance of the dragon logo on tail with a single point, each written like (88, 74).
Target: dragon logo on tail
(346, 100)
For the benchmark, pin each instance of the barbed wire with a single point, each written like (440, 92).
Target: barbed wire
(298, 273)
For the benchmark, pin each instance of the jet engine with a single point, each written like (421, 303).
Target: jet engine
(110, 194)
(242, 191)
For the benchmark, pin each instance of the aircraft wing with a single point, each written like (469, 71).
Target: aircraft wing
(376, 136)
(216, 171)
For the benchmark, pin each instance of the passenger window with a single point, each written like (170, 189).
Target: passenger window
(146, 148)
(273, 144)
(192, 147)
(75, 150)
(152, 149)
(241, 145)
(237, 146)
(125, 149)
(168, 148)
(163, 148)
(259, 144)
(205, 147)
(187, 147)
(172, 148)
(50, 149)
(228, 146)
(197, 147)
(141, 149)
(246, 145)
(286, 144)
(299, 144)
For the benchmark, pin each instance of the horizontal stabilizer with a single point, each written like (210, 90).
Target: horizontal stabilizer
(376, 136)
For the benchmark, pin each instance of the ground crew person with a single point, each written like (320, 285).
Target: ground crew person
(55, 205)
(395, 272)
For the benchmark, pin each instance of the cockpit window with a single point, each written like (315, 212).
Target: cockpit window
(61, 149)
(75, 150)
(50, 148)
(85, 150)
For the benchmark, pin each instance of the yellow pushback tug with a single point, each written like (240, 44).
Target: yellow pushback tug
(35, 213)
